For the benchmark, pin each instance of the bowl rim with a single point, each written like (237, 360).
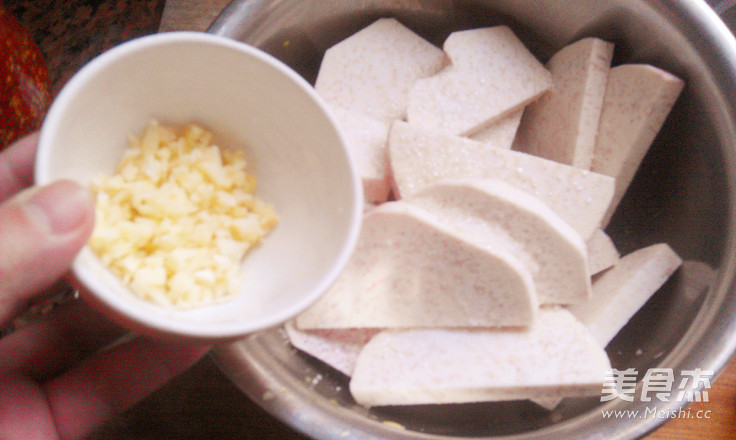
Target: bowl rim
(159, 323)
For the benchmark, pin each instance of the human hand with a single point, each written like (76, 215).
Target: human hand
(61, 376)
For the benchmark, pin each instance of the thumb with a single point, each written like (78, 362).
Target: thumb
(41, 231)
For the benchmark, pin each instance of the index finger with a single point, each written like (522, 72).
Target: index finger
(16, 166)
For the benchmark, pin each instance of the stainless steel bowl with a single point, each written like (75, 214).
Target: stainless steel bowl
(684, 194)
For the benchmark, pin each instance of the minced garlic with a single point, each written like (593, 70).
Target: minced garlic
(178, 216)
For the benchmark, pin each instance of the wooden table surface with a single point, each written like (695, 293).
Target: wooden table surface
(721, 425)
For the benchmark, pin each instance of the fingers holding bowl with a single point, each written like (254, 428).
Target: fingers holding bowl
(43, 229)
(16, 166)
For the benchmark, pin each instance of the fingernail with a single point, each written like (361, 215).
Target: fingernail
(58, 208)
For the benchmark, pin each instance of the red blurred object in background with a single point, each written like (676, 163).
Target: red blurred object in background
(24, 81)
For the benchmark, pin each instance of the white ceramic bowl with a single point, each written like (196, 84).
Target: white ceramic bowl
(248, 100)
